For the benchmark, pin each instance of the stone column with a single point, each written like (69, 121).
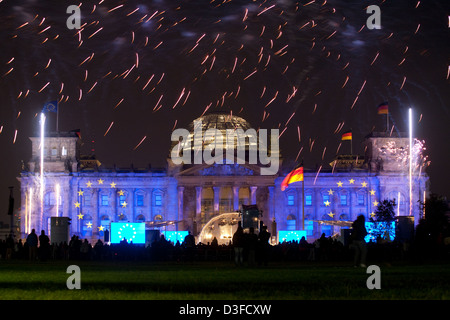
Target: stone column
(132, 204)
(113, 197)
(95, 211)
(180, 205)
(316, 207)
(271, 205)
(149, 202)
(35, 208)
(67, 205)
(170, 209)
(76, 211)
(299, 207)
(198, 209)
(198, 201)
(216, 199)
(65, 201)
(235, 198)
(253, 194)
(352, 200)
(23, 208)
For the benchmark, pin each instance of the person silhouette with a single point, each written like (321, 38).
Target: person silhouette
(32, 243)
(251, 241)
(238, 245)
(263, 245)
(189, 246)
(44, 246)
(359, 232)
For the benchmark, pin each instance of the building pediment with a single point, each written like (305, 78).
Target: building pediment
(233, 169)
(226, 170)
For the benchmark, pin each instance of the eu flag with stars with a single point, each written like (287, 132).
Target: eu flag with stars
(51, 106)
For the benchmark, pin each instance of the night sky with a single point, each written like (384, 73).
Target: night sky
(142, 68)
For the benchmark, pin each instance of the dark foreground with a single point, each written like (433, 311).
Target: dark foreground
(211, 280)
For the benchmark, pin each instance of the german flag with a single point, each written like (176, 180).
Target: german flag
(383, 108)
(293, 176)
(347, 135)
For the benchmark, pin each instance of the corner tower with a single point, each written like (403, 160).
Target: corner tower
(388, 158)
(61, 152)
(387, 153)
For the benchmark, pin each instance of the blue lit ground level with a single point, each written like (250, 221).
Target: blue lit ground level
(151, 246)
(137, 233)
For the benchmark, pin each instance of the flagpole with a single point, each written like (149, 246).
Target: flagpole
(57, 117)
(351, 142)
(387, 122)
(11, 209)
(303, 201)
(303, 196)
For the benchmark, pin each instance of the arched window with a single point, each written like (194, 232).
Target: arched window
(158, 198)
(86, 226)
(326, 199)
(344, 217)
(104, 199)
(309, 225)
(326, 228)
(291, 222)
(140, 198)
(87, 199)
(290, 198)
(140, 218)
(361, 197)
(343, 198)
(158, 217)
(105, 223)
(308, 197)
(50, 199)
(122, 198)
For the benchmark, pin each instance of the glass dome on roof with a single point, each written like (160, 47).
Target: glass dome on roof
(222, 137)
(220, 121)
(225, 124)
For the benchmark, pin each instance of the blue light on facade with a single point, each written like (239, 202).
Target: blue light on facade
(293, 235)
(175, 236)
(131, 232)
(372, 231)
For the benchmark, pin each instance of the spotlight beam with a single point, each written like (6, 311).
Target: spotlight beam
(410, 160)
(41, 177)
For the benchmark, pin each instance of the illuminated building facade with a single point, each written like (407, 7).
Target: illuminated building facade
(188, 196)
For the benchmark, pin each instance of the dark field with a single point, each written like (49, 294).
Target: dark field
(219, 280)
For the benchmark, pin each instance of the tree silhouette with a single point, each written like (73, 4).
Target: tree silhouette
(435, 224)
(383, 218)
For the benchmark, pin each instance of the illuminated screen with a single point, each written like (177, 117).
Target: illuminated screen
(371, 232)
(173, 236)
(132, 232)
(293, 235)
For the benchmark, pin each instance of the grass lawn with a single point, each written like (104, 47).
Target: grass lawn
(219, 280)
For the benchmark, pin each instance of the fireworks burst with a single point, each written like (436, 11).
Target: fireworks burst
(301, 66)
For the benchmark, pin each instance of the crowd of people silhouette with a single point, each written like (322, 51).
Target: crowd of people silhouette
(246, 248)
